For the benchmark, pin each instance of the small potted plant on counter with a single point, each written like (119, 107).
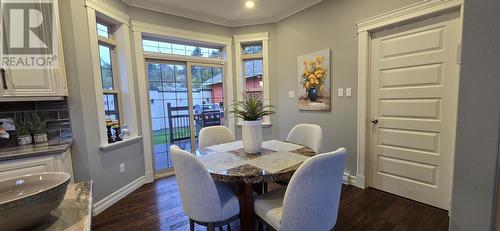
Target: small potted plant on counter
(23, 124)
(251, 110)
(39, 129)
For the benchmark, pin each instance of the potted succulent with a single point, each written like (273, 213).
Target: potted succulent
(39, 129)
(23, 124)
(251, 110)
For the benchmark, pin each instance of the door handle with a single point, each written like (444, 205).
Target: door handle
(4, 81)
(374, 121)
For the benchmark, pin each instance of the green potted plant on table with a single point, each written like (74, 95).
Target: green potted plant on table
(251, 110)
(39, 129)
(23, 124)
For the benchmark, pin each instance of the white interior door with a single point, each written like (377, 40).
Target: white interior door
(414, 91)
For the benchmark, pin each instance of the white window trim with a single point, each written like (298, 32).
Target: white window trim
(240, 83)
(128, 114)
(151, 30)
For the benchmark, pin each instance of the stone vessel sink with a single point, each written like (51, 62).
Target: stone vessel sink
(27, 200)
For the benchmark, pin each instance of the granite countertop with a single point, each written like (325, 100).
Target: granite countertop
(74, 213)
(34, 150)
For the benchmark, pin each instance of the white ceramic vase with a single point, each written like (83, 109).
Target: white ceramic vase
(252, 136)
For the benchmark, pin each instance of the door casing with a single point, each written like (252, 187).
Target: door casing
(366, 28)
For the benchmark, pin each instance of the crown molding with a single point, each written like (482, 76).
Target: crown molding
(217, 20)
(406, 13)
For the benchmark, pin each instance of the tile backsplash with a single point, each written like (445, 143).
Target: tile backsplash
(56, 113)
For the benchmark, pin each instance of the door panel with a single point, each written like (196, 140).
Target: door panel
(414, 91)
(184, 97)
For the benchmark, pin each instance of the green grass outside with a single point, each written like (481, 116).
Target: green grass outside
(163, 136)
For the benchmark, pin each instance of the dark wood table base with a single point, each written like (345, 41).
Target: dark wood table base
(246, 207)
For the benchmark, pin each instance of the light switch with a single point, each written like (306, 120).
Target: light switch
(341, 92)
(291, 94)
(348, 92)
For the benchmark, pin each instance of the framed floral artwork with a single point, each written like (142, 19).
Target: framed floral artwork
(314, 81)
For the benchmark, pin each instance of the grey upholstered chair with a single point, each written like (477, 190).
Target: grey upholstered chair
(309, 135)
(205, 202)
(214, 135)
(311, 200)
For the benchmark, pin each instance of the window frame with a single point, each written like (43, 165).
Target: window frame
(240, 57)
(122, 70)
(111, 43)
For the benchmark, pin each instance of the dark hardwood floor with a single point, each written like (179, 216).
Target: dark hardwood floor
(157, 206)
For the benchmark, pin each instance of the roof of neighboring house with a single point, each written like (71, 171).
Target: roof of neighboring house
(218, 79)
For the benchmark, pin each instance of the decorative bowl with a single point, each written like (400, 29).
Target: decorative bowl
(27, 200)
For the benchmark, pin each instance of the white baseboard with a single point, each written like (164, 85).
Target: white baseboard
(348, 179)
(119, 194)
(360, 182)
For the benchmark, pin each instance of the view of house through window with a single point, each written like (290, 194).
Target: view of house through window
(109, 86)
(173, 87)
(252, 68)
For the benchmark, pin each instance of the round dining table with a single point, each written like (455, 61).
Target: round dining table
(228, 162)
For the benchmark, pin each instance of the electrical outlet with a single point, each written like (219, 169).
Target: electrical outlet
(291, 94)
(7, 124)
(122, 167)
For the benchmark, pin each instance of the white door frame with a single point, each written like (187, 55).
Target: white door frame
(365, 29)
(140, 28)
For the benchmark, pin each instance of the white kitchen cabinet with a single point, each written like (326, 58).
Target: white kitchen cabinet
(49, 163)
(21, 84)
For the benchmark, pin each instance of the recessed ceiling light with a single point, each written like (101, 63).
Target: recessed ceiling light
(249, 4)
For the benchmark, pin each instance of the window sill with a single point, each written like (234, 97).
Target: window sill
(123, 143)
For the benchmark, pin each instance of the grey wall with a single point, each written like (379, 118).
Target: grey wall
(329, 24)
(477, 142)
(89, 162)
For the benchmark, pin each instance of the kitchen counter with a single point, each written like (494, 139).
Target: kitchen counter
(74, 213)
(34, 150)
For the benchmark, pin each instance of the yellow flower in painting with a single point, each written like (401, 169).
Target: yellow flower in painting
(314, 73)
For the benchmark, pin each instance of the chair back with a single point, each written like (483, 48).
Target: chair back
(312, 197)
(214, 135)
(199, 195)
(310, 135)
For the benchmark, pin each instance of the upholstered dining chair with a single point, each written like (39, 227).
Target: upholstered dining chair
(213, 135)
(207, 203)
(311, 200)
(309, 135)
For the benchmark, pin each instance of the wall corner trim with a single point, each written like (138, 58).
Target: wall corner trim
(119, 194)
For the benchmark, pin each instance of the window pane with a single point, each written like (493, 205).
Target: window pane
(111, 106)
(181, 49)
(106, 67)
(253, 67)
(252, 48)
(150, 46)
(102, 30)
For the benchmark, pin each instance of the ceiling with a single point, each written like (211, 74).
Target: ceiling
(231, 13)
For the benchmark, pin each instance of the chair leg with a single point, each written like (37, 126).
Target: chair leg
(210, 227)
(191, 224)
